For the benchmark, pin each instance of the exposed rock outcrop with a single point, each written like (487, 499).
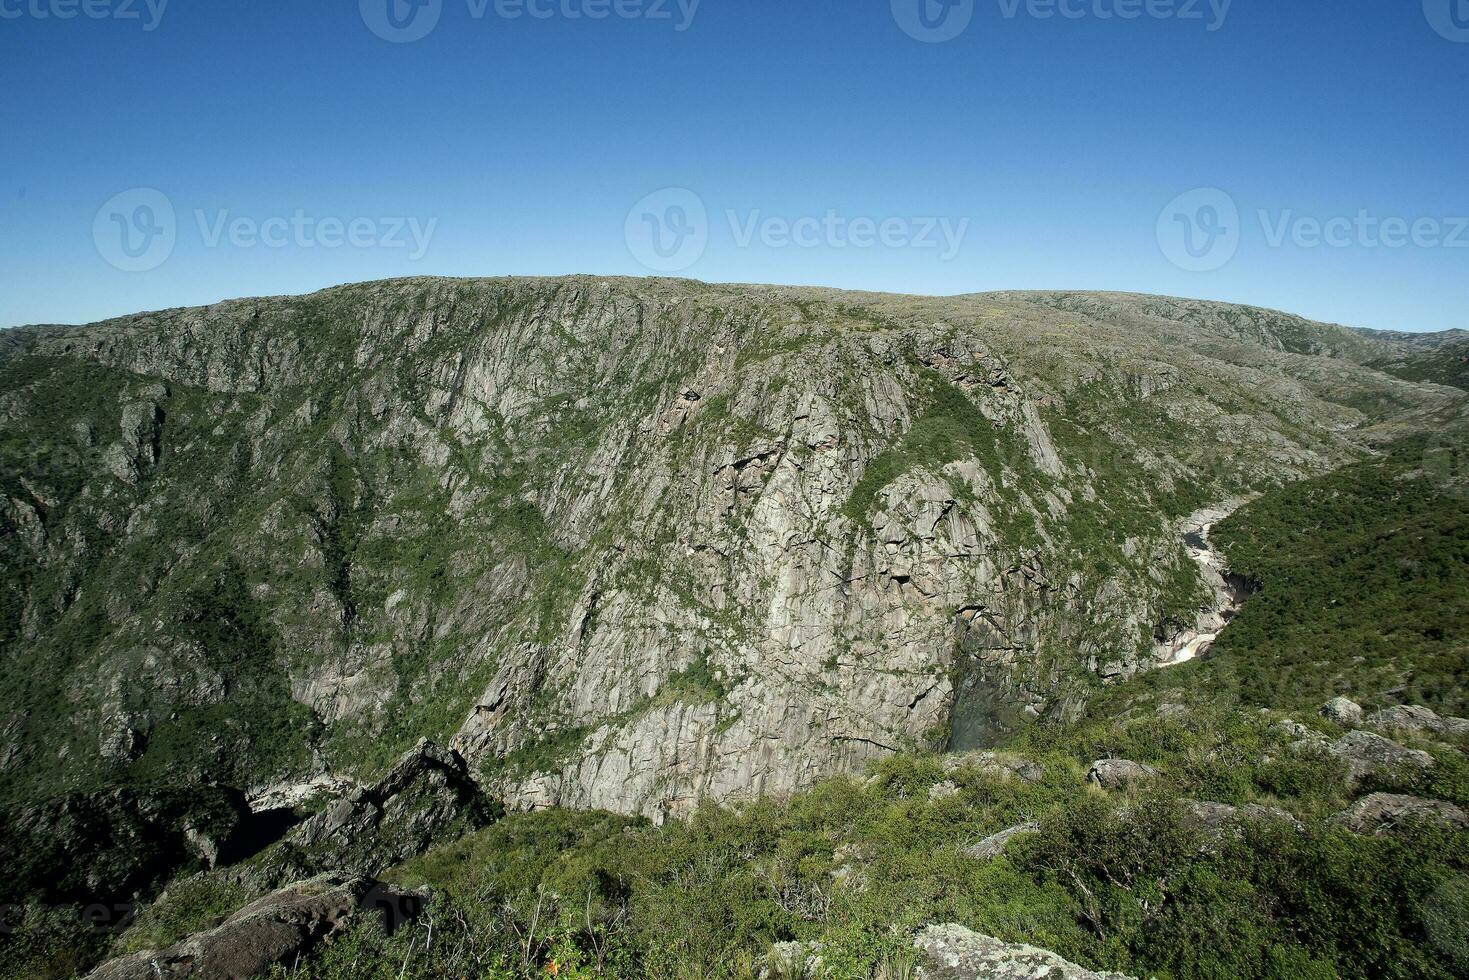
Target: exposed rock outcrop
(427, 799)
(1002, 764)
(951, 952)
(1416, 718)
(1218, 819)
(1388, 813)
(278, 929)
(1367, 754)
(1343, 711)
(1114, 774)
(994, 845)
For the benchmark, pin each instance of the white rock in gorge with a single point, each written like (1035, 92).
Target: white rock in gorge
(623, 543)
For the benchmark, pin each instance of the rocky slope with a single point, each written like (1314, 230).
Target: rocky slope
(622, 543)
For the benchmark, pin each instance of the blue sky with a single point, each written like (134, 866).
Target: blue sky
(810, 141)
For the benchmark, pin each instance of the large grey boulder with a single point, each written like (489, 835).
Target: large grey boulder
(1119, 773)
(1387, 813)
(276, 929)
(1218, 819)
(1343, 711)
(1367, 754)
(950, 952)
(1416, 718)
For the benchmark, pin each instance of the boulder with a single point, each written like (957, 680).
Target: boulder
(994, 845)
(1387, 813)
(1343, 711)
(1217, 819)
(1416, 718)
(995, 764)
(1367, 754)
(1119, 773)
(950, 952)
(792, 961)
(942, 791)
(274, 930)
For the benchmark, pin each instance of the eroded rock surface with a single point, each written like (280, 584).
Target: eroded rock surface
(1119, 773)
(275, 930)
(994, 845)
(950, 952)
(1367, 754)
(427, 799)
(1388, 813)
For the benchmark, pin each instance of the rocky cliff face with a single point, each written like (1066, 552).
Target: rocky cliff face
(623, 543)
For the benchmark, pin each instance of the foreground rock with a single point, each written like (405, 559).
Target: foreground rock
(993, 846)
(1000, 764)
(1343, 711)
(1388, 813)
(1217, 819)
(951, 952)
(274, 930)
(1416, 718)
(426, 799)
(1119, 773)
(1372, 755)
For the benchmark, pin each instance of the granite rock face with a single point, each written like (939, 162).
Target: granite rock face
(624, 543)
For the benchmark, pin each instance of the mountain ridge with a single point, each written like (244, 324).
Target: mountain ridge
(611, 536)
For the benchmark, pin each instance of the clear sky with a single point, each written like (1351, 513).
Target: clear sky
(158, 153)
